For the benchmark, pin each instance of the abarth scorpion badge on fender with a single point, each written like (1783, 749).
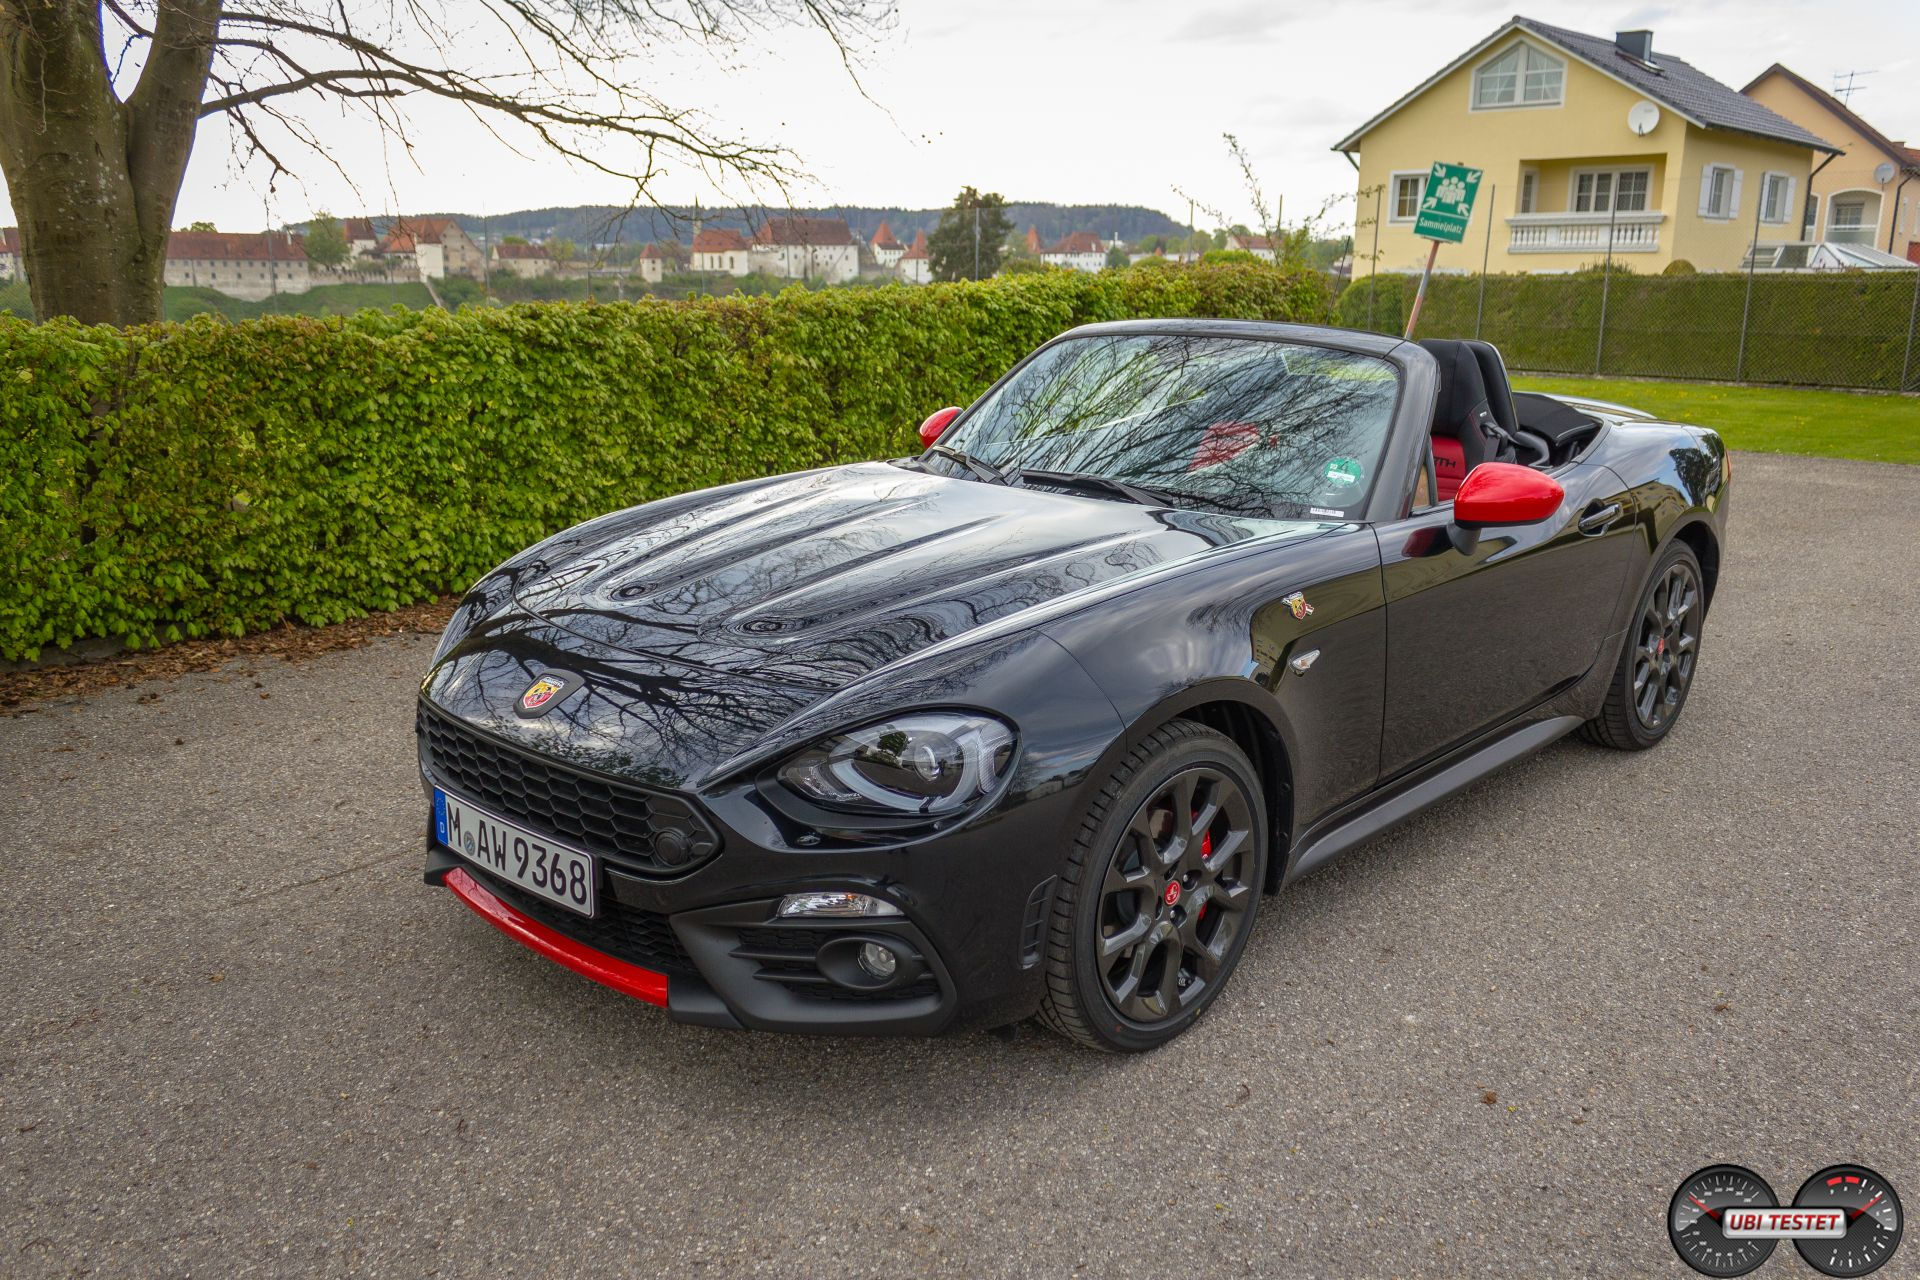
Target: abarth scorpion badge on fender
(1004, 728)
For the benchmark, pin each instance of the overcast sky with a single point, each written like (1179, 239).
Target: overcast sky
(1068, 101)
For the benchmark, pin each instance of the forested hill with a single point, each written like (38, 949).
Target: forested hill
(601, 224)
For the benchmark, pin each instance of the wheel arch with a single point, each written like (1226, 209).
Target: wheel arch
(1698, 534)
(1233, 709)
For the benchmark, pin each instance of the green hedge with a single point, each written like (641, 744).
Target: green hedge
(1840, 329)
(212, 478)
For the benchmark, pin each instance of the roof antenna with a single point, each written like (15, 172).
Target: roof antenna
(1847, 90)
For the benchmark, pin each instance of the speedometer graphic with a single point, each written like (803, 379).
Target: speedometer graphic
(1696, 1220)
(1874, 1220)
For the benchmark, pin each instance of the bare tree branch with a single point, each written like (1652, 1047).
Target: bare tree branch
(568, 76)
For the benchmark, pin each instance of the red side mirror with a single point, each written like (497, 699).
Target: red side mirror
(1496, 493)
(937, 422)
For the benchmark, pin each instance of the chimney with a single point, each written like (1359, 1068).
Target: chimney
(1637, 45)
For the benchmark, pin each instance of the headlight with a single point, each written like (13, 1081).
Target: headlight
(926, 763)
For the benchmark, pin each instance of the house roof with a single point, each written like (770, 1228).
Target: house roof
(10, 240)
(1077, 242)
(883, 238)
(241, 246)
(397, 242)
(919, 250)
(653, 251)
(1693, 94)
(357, 228)
(807, 231)
(1896, 152)
(424, 230)
(1248, 242)
(521, 251)
(718, 240)
(1033, 239)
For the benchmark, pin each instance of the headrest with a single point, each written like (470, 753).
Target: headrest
(1463, 392)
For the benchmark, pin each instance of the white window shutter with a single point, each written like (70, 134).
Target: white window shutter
(1788, 209)
(1706, 191)
(1733, 200)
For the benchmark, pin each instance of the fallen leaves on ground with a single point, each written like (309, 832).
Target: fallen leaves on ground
(290, 642)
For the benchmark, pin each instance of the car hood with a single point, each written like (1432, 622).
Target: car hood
(707, 626)
(814, 580)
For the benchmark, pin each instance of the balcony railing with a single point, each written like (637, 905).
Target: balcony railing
(1852, 235)
(1584, 232)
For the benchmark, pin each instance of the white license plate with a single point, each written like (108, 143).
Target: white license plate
(535, 863)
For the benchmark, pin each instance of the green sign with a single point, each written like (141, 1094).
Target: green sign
(1447, 202)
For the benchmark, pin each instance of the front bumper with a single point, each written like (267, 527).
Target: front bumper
(690, 881)
(736, 965)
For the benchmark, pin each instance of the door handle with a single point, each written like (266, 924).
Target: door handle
(1599, 519)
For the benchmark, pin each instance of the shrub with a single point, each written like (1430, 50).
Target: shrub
(1832, 329)
(1678, 267)
(214, 478)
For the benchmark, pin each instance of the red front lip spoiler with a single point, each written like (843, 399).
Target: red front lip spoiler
(630, 979)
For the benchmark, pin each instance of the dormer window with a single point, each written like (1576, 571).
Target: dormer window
(1523, 76)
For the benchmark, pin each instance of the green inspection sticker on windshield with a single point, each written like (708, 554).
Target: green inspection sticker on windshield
(1342, 473)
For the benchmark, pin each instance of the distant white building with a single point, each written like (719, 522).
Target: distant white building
(10, 268)
(1258, 246)
(438, 247)
(721, 251)
(526, 261)
(652, 264)
(914, 266)
(1081, 250)
(806, 249)
(887, 251)
(362, 240)
(248, 265)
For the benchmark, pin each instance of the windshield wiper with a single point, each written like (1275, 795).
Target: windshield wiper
(1120, 488)
(979, 466)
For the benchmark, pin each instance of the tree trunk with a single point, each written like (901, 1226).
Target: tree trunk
(94, 180)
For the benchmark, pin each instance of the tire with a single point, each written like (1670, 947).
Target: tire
(1129, 852)
(1658, 663)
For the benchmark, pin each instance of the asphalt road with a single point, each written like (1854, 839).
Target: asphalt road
(241, 1037)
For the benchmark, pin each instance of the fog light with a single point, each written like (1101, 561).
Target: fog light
(835, 903)
(878, 961)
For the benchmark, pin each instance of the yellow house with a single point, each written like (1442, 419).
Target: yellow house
(1580, 138)
(1868, 195)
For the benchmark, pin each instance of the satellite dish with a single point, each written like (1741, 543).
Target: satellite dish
(1884, 174)
(1643, 118)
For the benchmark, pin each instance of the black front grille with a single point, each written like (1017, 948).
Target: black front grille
(623, 932)
(786, 956)
(649, 830)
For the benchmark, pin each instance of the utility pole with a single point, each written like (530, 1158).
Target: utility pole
(1606, 284)
(273, 275)
(1746, 306)
(976, 239)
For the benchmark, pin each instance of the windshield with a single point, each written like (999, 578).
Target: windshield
(1248, 426)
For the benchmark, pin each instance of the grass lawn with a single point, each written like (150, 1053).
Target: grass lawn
(324, 300)
(1831, 424)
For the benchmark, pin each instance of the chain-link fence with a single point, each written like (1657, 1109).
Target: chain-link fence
(1854, 329)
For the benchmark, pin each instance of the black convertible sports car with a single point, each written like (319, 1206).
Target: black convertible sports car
(1173, 614)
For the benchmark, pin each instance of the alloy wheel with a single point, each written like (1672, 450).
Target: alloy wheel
(1666, 647)
(1177, 893)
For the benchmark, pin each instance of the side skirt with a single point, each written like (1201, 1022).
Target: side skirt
(1386, 809)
